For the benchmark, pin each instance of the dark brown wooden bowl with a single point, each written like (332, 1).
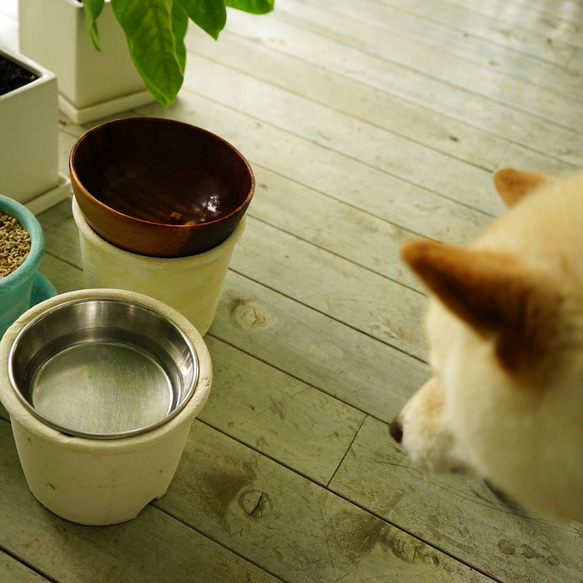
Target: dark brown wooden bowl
(159, 187)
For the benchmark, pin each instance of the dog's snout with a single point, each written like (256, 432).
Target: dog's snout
(396, 429)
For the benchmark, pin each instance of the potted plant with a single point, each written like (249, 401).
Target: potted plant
(140, 47)
(21, 250)
(29, 133)
(92, 84)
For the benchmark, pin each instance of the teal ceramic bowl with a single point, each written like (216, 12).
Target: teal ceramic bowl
(24, 287)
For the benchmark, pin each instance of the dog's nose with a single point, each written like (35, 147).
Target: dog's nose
(396, 429)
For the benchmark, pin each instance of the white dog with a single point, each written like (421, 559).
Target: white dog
(505, 328)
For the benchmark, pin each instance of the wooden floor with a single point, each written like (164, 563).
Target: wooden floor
(367, 122)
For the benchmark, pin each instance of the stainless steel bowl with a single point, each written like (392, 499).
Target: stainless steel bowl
(103, 368)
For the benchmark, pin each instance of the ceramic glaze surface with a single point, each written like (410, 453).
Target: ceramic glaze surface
(191, 285)
(159, 187)
(99, 481)
(16, 289)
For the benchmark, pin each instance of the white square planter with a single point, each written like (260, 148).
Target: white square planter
(29, 140)
(92, 84)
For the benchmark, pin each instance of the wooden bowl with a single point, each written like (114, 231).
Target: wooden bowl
(159, 187)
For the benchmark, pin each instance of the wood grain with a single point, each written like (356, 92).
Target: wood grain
(367, 123)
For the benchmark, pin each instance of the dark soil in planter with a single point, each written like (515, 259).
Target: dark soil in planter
(13, 76)
(14, 244)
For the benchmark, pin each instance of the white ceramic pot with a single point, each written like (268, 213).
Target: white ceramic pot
(192, 285)
(92, 84)
(29, 140)
(100, 481)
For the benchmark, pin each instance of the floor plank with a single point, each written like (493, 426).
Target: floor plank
(437, 27)
(12, 570)
(461, 515)
(367, 123)
(516, 25)
(384, 309)
(352, 98)
(152, 548)
(428, 91)
(298, 530)
(560, 20)
(426, 55)
(366, 374)
(282, 417)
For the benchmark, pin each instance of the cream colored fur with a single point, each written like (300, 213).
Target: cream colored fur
(505, 328)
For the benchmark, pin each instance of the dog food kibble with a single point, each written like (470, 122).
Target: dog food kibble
(14, 244)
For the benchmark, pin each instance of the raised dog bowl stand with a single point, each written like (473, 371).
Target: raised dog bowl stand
(100, 481)
(192, 284)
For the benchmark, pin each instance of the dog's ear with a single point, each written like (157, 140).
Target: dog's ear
(512, 185)
(495, 294)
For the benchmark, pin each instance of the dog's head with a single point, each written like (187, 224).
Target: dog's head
(505, 328)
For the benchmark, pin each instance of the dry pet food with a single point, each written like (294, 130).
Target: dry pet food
(14, 244)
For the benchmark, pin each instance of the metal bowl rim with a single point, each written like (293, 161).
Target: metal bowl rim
(102, 436)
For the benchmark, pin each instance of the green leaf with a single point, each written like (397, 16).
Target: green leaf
(252, 6)
(179, 28)
(92, 10)
(210, 15)
(155, 31)
(149, 26)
